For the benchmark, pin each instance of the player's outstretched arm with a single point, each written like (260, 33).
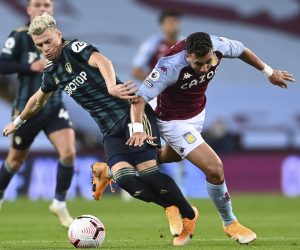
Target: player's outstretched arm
(33, 106)
(136, 127)
(121, 91)
(275, 76)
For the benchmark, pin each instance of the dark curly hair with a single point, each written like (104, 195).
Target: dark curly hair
(198, 43)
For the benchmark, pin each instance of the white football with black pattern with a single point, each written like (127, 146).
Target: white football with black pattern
(86, 231)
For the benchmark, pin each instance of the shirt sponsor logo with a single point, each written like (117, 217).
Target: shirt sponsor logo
(78, 46)
(79, 80)
(154, 75)
(189, 137)
(201, 79)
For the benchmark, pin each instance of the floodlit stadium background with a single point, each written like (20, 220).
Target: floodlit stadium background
(254, 126)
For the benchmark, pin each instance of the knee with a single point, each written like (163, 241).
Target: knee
(68, 156)
(215, 173)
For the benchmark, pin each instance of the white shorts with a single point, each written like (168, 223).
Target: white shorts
(183, 135)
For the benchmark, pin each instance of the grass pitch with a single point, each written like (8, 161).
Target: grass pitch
(137, 225)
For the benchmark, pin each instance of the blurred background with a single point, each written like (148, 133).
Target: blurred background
(254, 126)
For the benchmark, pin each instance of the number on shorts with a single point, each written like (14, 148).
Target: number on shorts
(63, 114)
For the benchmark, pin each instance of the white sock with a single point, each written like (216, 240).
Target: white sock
(58, 203)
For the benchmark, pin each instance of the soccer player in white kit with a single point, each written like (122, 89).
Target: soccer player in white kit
(179, 81)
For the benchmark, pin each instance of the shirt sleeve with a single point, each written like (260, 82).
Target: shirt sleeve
(229, 48)
(10, 67)
(162, 76)
(10, 55)
(145, 52)
(48, 85)
(12, 47)
(82, 51)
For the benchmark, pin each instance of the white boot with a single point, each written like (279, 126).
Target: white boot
(59, 208)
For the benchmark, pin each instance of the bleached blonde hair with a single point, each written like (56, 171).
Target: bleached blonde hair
(41, 23)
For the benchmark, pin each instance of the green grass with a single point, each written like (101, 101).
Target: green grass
(137, 225)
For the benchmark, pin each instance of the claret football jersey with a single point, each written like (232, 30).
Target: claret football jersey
(180, 91)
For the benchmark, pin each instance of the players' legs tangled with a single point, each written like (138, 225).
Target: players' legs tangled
(125, 176)
(150, 184)
(154, 186)
(165, 187)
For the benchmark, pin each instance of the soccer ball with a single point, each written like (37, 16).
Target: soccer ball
(86, 231)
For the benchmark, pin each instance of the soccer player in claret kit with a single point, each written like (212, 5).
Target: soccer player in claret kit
(21, 56)
(148, 54)
(179, 81)
(88, 77)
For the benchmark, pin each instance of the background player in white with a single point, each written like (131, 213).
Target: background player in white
(180, 80)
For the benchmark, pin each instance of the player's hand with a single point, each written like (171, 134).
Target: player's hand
(9, 129)
(279, 78)
(124, 91)
(138, 138)
(38, 65)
